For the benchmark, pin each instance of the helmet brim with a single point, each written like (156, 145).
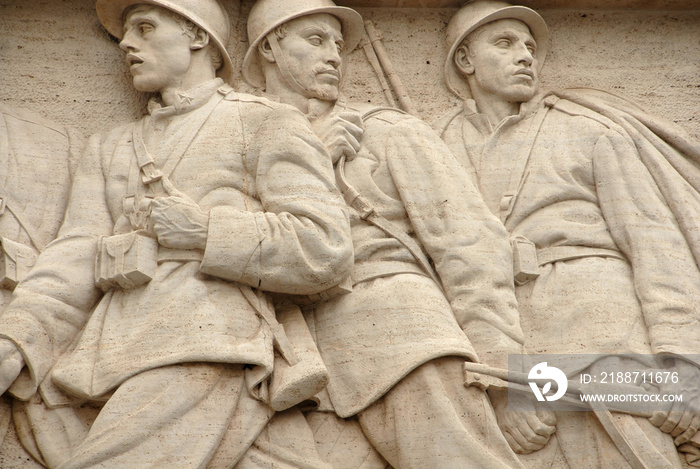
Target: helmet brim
(352, 27)
(111, 15)
(454, 80)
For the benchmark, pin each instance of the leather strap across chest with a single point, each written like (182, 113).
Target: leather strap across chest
(147, 167)
(519, 172)
(367, 212)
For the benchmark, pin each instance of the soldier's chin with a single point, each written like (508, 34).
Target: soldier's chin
(144, 85)
(325, 93)
(523, 93)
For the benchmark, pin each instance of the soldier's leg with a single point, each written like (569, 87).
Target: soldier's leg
(12, 454)
(50, 434)
(174, 416)
(342, 443)
(286, 442)
(431, 420)
(585, 443)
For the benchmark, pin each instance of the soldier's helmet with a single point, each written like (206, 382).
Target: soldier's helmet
(479, 13)
(207, 14)
(266, 15)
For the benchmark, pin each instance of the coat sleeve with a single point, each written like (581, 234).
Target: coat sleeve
(666, 277)
(51, 305)
(467, 244)
(299, 243)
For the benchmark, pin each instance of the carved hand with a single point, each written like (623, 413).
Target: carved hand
(525, 431)
(682, 421)
(177, 221)
(340, 133)
(11, 363)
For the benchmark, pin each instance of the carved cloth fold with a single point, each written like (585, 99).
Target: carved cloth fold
(670, 155)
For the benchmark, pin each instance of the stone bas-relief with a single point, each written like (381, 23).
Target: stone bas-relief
(176, 218)
(582, 182)
(396, 334)
(37, 162)
(350, 427)
(648, 53)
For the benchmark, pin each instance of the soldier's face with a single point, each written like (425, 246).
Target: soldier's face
(157, 49)
(502, 54)
(312, 49)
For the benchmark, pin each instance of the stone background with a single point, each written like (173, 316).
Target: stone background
(55, 58)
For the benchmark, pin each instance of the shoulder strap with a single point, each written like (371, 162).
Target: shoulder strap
(145, 166)
(444, 122)
(519, 171)
(375, 111)
(363, 206)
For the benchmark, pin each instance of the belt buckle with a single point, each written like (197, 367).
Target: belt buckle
(363, 207)
(150, 174)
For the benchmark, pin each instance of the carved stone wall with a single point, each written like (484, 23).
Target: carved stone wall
(56, 59)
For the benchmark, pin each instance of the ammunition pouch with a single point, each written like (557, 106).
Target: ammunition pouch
(125, 261)
(16, 260)
(526, 268)
(527, 259)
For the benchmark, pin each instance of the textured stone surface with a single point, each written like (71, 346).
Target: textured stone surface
(58, 61)
(537, 4)
(55, 59)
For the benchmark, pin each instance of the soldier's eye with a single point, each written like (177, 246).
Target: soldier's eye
(315, 40)
(145, 28)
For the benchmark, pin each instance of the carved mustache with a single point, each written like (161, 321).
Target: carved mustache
(526, 71)
(325, 70)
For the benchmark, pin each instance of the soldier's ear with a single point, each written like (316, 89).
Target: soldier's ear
(200, 39)
(462, 60)
(265, 51)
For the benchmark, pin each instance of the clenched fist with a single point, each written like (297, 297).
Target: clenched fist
(341, 134)
(177, 221)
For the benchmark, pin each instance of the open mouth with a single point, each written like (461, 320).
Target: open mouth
(132, 60)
